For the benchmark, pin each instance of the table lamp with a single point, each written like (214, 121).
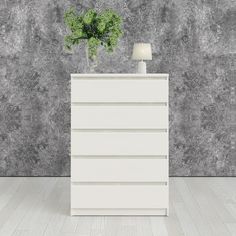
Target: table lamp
(142, 51)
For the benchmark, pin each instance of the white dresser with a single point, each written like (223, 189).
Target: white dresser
(119, 144)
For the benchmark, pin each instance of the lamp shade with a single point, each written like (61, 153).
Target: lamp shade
(142, 51)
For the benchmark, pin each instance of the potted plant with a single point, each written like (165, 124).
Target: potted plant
(98, 29)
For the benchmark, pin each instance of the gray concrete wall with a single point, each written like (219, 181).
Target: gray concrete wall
(194, 41)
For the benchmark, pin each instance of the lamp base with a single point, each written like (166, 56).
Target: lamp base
(142, 67)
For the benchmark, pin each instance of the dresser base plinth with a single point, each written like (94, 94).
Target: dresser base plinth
(114, 212)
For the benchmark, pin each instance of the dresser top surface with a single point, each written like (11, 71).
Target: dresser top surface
(111, 75)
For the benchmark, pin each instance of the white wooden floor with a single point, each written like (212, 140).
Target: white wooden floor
(40, 206)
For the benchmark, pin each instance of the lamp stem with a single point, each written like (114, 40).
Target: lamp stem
(142, 67)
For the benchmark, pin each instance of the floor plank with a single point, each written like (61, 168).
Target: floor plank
(192, 207)
(206, 206)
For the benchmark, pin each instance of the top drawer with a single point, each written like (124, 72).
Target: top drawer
(119, 90)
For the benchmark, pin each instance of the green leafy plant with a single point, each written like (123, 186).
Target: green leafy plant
(99, 29)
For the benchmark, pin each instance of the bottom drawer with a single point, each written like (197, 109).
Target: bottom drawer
(119, 196)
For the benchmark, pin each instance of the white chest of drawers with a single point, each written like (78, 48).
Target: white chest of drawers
(119, 144)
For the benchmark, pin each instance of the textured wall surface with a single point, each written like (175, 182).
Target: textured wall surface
(194, 41)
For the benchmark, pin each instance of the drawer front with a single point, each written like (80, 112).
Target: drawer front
(119, 143)
(115, 90)
(119, 117)
(119, 196)
(119, 170)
